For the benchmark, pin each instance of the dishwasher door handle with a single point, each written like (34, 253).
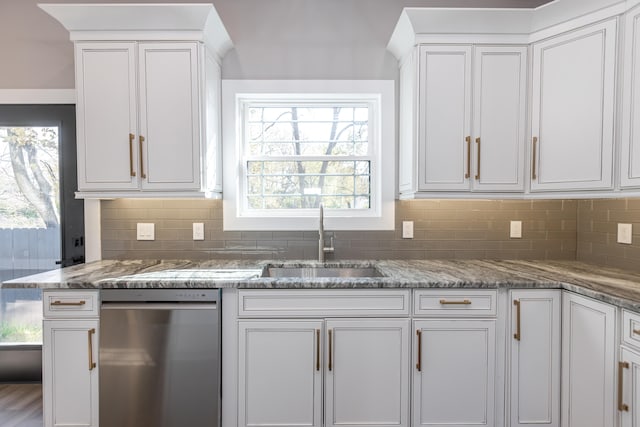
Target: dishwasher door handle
(158, 306)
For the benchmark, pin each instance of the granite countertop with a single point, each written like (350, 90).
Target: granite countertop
(616, 286)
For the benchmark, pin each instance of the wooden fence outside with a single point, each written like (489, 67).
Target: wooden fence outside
(25, 251)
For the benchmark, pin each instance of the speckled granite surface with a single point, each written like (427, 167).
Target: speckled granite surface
(607, 284)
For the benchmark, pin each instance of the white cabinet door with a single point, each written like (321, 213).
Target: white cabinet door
(169, 116)
(499, 88)
(367, 379)
(407, 129)
(630, 142)
(139, 116)
(106, 111)
(588, 362)
(454, 373)
(444, 117)
(535, 358)
(280, 373)
(70, 382)
(629, 399)
(574, 78)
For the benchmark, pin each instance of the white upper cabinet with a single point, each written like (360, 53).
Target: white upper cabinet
(573, 109)
(169, 116)
(444, 117)
(151, 139)
(106, 114)
(519, 102)
(499, 120)
(469, 119)
(630, 142)
(148, 89)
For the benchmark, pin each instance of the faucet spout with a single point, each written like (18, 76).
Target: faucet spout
(321, 237)
(322, 250)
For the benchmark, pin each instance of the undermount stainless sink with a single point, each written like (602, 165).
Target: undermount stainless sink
(320, 271)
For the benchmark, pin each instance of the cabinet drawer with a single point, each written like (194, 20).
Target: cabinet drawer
(70, 303)
(319, 303)
(631, 328)
(459, 303)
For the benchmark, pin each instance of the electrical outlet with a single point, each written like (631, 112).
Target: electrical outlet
(515, 231)
(198, 231)
(624, 233)
(146, 231)
(407, 229)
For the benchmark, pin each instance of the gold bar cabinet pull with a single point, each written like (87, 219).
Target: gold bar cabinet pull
(468, 174)
(419, 362)
(517, 334)
(621, 405)
(131, 138)
(71, 303)
(141, 141)
(330, 349)
(463, 302)
(317, 349)
(478, 164)
(636, 331)
(533, 158)
(92, 364)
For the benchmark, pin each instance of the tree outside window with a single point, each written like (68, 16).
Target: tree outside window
(29, 224)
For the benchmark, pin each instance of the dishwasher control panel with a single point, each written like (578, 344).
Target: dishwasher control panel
(160, 295)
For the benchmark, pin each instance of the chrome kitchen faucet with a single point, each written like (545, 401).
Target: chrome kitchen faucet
(322, 250)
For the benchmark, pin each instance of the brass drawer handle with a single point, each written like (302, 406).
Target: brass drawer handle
(533, 159)
(478, 170)
(517, 334)
(92, 364)
(317, 349)
(621, 405)
(468, 174)
(73, 303)
(419, 362)
(636, 331)
(142, 174)
(131, 138)
(463, 302)
(330, 349)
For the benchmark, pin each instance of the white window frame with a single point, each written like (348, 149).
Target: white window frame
(378, 94)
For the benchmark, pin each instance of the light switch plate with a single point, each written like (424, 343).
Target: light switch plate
(198, 231)
(146, 231)
(407, 229)
(515, 231)
(625, 232)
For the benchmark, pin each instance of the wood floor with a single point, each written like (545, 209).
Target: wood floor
(21, 405)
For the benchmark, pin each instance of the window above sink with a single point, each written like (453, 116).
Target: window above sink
(291, 145)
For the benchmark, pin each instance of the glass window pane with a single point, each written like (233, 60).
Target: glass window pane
(304, 184)
(29, 224)
(300, 125)
(20, 316)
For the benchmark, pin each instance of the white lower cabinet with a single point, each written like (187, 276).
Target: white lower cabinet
(280, 373)
(629, 371)
(69, 358)
(367, 376)
(454, 372)
(629, 388)
(360, 365)
(588, 362)
(534, 368)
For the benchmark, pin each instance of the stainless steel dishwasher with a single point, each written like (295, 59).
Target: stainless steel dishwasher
(160, 358)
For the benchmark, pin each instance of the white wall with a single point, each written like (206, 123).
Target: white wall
(274, 39)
